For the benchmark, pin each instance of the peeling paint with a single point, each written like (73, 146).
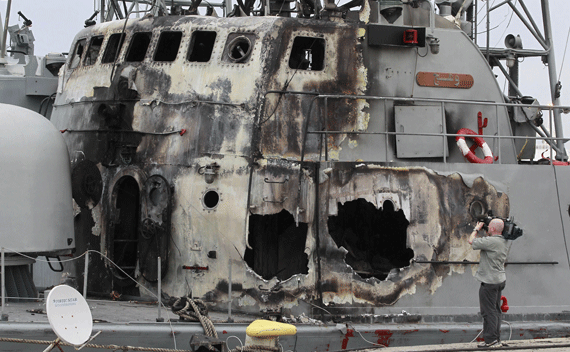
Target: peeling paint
(256, 170)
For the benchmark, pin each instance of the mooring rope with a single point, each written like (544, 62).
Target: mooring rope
(255, 348)
(199, 313)
(90, 345)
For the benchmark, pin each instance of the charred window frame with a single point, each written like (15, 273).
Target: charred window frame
(167, 47)
(93, 52)
(114, 45)
(138, 47)
(201, 46)
(239, 48)
(307, 53)
(77, 53)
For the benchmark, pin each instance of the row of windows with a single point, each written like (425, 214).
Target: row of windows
(307, 53)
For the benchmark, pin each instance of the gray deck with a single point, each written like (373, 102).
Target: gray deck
(134, 324)
(551, 345)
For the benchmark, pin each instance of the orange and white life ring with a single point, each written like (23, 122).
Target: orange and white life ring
(468, 153)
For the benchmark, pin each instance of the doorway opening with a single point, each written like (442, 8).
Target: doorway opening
(124, 242)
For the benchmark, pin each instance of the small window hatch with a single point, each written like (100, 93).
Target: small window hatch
(113, 48)
(201, 46)
(168, 45)
(307, 54)
(139, 46)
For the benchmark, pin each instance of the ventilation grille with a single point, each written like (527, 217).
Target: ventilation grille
(19, 282)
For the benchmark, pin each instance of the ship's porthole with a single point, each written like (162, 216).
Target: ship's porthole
(240, 49)
(211, 199)
(477, 208)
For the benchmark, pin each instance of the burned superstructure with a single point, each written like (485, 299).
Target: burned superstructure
(304, 161)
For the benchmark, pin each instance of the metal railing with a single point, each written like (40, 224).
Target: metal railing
(543, 135)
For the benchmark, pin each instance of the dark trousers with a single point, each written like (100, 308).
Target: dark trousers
(490, 303)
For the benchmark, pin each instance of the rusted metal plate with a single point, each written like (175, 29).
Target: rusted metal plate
(445, 80)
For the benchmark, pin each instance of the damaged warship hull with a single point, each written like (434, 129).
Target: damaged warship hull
(307, 166)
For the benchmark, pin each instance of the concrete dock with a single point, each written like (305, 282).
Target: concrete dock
(542, 345)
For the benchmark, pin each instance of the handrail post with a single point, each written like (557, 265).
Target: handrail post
(85, 274)
(499, 134)
(326, 129)
(386, 129)
(230, 319)
(550, 119)
(159, 318)
(444, 132)
(4, 316)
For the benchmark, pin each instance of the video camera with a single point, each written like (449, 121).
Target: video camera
(510, 232)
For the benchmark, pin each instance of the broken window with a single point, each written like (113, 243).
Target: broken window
(77, 53)
(201, 46)
(307, 54)
(113, 48)
(93, 51)
(278, 246)
(168, 45)
(139, 46)
(374, 238)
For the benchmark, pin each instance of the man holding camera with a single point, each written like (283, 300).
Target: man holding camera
(492, 275)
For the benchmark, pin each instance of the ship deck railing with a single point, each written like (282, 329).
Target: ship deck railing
(543, 135)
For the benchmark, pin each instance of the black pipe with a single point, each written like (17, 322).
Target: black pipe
(446, 262)
(317, 236)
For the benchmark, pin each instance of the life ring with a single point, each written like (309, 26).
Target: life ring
(468, 153)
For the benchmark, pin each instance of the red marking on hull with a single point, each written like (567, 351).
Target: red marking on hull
(384, 337)
(444, 331)
(409, 331)
(349, 333)
(224, 332)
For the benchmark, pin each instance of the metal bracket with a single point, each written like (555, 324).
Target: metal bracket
(58, 260)
(196, 246)
(281, 182)
(274, 201)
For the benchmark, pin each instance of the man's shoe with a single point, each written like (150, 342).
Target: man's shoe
(489, 345)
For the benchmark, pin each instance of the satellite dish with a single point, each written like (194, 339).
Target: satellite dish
(69, 315)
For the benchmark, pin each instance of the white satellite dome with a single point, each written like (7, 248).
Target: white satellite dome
(36, 212)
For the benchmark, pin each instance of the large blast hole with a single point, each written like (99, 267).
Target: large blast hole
(278, 246)
(374, 238)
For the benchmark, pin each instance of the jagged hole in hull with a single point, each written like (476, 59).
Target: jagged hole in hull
(374, 238)
(278, 246)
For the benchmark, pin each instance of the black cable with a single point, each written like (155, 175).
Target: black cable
(295, 345)
(287, 82)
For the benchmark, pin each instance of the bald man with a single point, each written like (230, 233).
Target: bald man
(491, 273)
